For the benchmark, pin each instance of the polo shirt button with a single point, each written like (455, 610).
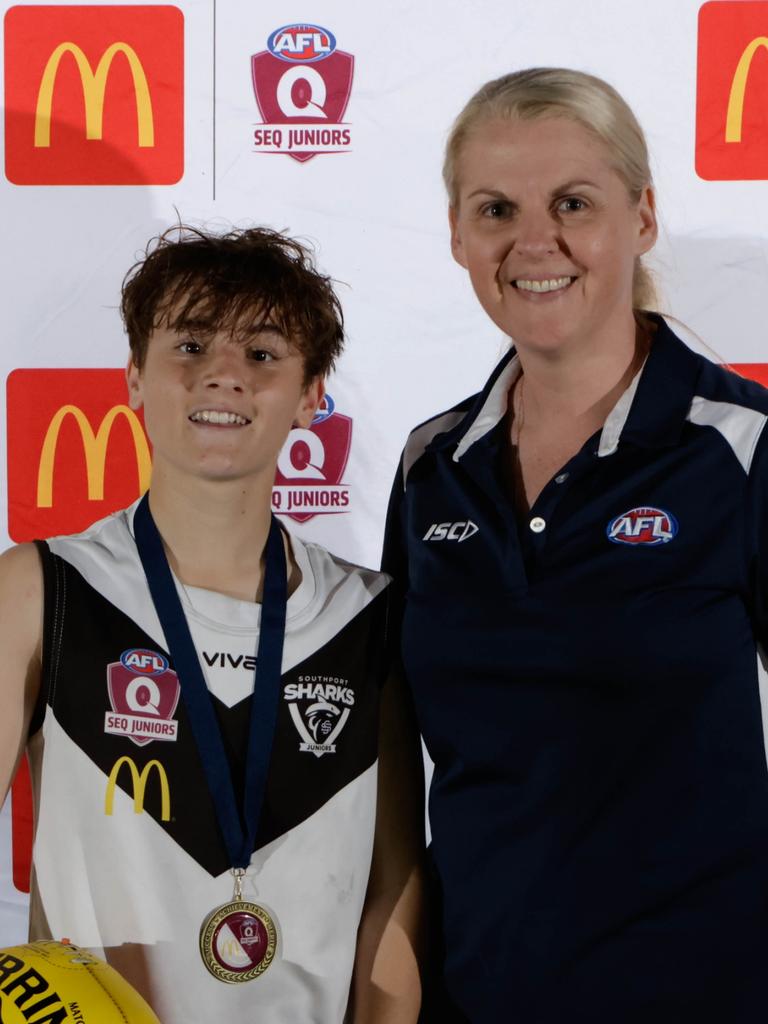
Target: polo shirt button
(537, 524)
(561, 479)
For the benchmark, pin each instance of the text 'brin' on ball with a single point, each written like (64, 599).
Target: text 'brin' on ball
(302, 84)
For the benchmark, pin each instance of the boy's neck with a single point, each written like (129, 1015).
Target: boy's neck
(215, 533)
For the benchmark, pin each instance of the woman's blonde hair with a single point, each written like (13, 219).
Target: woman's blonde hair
(561, 92)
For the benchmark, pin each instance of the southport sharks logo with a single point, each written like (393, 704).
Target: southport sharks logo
(320, 707)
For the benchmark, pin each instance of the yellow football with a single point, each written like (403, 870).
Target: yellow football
(57, 983)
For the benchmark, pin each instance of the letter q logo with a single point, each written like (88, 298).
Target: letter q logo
(143, 695)
(305, 84)
(303, 456)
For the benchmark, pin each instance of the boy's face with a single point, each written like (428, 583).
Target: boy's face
(220, 405)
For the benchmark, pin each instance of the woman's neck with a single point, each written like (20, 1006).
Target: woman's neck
(578, 387)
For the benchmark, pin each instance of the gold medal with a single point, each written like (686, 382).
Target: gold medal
(238, 941)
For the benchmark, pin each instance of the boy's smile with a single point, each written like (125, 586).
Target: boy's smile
(220, 405)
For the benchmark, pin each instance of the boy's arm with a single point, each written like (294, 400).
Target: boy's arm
(386, 986)
(21, 614)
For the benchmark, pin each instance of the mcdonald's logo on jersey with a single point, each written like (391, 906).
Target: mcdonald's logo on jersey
(139, 780)
(76, 452)
(94, 95)
(732, 91)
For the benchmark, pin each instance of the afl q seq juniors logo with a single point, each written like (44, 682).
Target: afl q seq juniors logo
(302, 84)
(144, 693)
(319, 707)
(643, 525)
(311, 465)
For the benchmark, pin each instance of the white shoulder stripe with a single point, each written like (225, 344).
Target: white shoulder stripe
(741, 427)
(423, 435)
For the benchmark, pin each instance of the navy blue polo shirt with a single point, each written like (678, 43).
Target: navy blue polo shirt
(589, 688)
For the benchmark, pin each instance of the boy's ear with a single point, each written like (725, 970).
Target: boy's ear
(311, 398)
(133, 380)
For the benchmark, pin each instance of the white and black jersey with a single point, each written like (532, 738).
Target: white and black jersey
(128, 857)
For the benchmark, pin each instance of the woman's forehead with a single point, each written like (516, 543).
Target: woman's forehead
(555, 149)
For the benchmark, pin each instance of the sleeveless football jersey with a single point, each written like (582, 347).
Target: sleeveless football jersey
(128, 858)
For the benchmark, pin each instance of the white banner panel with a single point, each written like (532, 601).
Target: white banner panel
(333, 132)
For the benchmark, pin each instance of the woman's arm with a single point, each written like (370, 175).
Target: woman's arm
(386, 986)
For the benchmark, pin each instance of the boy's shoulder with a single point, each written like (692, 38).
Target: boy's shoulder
(331, 573)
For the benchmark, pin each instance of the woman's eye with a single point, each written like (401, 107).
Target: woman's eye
(496, 209)
(571, 204)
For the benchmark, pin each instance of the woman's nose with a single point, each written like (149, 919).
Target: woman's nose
(536, 235)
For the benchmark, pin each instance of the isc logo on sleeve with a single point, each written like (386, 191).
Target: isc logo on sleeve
(94, 95)
(452, 531)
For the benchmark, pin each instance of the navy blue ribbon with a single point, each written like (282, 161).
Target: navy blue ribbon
(238, 829)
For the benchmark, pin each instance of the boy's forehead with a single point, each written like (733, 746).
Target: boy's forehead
(202, 304)
(241, 319)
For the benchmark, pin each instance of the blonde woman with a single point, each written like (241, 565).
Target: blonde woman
(580, 553)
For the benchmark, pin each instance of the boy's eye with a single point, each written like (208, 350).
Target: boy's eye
(261, 355)
(190, 347)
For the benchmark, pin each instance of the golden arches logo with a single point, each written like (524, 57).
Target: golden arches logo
(230, 950)
(95, 447)
(139, 780)
(735, 117)
(94, 86)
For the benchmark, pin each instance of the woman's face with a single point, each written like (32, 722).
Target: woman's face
(546, 228)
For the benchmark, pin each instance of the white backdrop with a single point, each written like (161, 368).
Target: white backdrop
(376, 214)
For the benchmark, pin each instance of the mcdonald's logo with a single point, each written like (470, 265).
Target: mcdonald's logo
(139, 780)
(95, 448)
(76, 452)
(94, 86)
(732, 91)
(94, 95)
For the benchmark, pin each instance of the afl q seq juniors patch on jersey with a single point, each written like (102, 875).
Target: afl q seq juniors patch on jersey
(128, 857)
(589, 685)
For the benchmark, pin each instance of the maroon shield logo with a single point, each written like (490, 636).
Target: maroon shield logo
(310, 468)
(143, 705)
(309, 98)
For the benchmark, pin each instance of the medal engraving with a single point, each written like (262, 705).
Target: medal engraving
(238, 941)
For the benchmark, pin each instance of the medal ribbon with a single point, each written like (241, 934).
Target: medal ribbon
(238, 829)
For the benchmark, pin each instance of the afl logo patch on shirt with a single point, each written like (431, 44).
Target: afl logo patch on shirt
(643, 525)
(144, 693)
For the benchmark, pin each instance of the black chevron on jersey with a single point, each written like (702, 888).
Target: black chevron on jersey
(87, 633)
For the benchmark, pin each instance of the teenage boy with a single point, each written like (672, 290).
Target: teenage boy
(197, 827)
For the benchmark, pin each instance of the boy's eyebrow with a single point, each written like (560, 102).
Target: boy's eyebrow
(204, 326)
(190, 323)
